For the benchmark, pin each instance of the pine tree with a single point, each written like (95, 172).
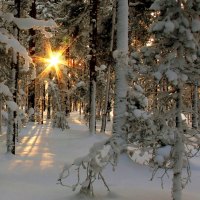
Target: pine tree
(175, 35)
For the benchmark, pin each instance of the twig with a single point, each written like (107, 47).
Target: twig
(161, 178)
(102, 178)
(154, 173)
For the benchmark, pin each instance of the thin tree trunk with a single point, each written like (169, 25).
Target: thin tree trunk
(0, 114)
(93, 46)
(80, 107)
(32, 33)
(49, 99)
(121, 68)
(16, 66)
(92, 119)
(195, 106)
(155, 100)
(98, 110)
(12, 128)
(105, 112)
(178, 151)
(49, 106)
(43, 103)
(10, 133)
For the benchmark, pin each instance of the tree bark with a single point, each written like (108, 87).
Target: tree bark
(12, 128)
(121, 83)
(93, 62)
(178, 151)
(32, 33)
(105, 113)
(195, 106)
(0, 114)
(49, 106)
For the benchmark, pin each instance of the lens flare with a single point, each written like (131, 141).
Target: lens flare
(53, 61)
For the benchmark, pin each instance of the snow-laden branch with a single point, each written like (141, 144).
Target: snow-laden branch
(13, 43)
(29, 22)
(24, 24)
(100, 155)
(5, 90)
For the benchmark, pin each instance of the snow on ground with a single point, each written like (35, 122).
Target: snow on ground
(42, 151)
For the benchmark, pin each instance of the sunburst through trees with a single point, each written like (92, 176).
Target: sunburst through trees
(53, 60)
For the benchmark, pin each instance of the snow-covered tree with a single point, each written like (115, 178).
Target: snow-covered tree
(59, 119)
(108, 151)
(175, 60)
(10, 42)
(4, 95)
(121, 69)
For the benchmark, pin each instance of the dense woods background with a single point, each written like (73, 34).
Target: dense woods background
(135, 63)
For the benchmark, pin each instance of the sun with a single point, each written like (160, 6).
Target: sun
(53, 61)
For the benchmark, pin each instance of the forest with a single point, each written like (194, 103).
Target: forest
(98, 98)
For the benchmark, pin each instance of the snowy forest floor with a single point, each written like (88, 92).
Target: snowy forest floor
(42, 151)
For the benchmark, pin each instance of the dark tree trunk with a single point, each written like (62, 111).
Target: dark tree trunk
(32, 33)
(195, 106)
(93, 62)
(107, 106)
(15, 72)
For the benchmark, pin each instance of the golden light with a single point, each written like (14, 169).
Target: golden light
(53, 61)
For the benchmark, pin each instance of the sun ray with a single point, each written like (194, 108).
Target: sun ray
(53, 61)
(45, 72)
(48, 48)
(63, 48)
(58, 74)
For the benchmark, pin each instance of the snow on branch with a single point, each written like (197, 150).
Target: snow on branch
(28, 23)
(5, 90)
(13, 43)
(100, 155)
(12, 105)
(25, 24)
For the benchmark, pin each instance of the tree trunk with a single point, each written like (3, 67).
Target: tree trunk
(98, 110)
(178, 151)
(92, 116)
(195, 106)
(49, 99)
(0, 114)
(16, 66)
(43, 102)
(49, 106)
(93, 47)
(12, 128)
(32, 33)
(10, 133)
(105, 112)
(121, 67)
